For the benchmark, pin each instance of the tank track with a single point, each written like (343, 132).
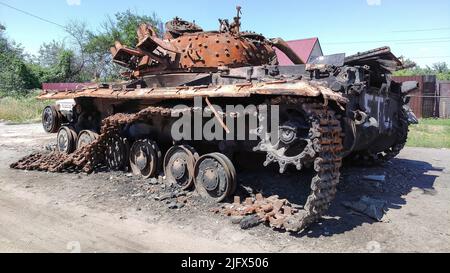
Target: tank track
(89, 157)
(327, 166)
(327, 139)
(369, 159)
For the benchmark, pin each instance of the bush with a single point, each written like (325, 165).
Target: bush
(21, 108)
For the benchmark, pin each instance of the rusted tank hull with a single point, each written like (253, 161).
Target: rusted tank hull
(280, 87)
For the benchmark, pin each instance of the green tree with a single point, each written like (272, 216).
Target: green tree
(49, 52)
(16, 77)
(440, 69)
(83, 56)
(127, 23)
(121, 28)
(61, 71)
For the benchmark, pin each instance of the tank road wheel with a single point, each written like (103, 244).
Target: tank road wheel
(116, 153)
(213, 178)
(66, 140)
(145, 158)
(86, 137)
(50, 119)
(179, 164)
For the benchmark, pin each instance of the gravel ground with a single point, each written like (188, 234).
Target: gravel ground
(105, 212)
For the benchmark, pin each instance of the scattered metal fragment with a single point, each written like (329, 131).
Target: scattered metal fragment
(374, 208)
(249, 221)
(253, 211)
(236, 219)
(379, 178)
(164, 196)
(175, 205)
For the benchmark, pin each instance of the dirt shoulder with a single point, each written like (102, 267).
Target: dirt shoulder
(105, 212)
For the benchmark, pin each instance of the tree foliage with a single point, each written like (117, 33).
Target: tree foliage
(126, 23)
(82, 56)
(15, 74)
(121, 28)
(49, 52)
(439, 69)
(19, 73)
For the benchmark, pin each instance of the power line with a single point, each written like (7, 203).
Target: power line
(437, 39)
(430, 57)
(424, 42)
(33, 15)
(428, 40)
(423, 30)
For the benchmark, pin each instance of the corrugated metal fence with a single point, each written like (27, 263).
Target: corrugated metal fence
(425, 101)
(443, 88)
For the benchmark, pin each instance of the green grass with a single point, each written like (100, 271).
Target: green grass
(430, 133)
(21, 109)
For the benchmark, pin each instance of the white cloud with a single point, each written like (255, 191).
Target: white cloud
(369, 2)
(77, 2)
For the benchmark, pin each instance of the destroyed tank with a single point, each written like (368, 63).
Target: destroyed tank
(309, 115)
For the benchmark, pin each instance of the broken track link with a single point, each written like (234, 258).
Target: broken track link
(279, 213)
(91, 156)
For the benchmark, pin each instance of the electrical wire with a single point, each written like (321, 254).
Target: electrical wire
(33, 15)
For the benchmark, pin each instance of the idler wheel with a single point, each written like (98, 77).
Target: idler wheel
(145, 158)
(179, 164)
(66, 140)
(213, 177)
(51, 120)
(86, 137)
(116, 153)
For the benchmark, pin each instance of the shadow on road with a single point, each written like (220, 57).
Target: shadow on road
(402, 175)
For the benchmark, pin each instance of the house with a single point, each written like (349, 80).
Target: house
(64, 86)
(307, 49)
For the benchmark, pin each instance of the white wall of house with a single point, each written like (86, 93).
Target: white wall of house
(316, 52)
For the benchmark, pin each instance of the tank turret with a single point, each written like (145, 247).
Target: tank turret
(187, 47)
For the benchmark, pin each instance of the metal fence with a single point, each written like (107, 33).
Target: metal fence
(443, 88)
(431, 99)
(432, 106)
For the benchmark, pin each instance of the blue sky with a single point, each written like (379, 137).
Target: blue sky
(345, 26)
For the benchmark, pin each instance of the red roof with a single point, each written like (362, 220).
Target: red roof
(303, 48)
(64, 86)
